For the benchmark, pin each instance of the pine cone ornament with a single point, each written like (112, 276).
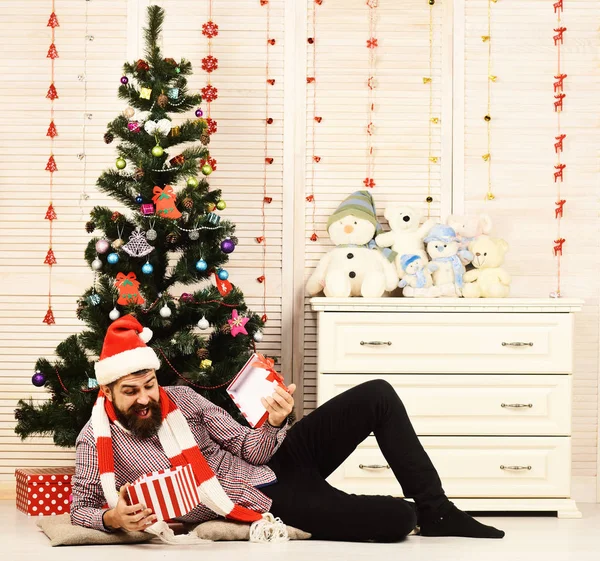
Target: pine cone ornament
(90, 227)
(109, 137)
(162, 101)
(205, 139)
(226, 328)
(202, 353)
(172, 238)
(138, 174)
(188, 203)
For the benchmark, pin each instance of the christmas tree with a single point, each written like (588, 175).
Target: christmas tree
(175, 236)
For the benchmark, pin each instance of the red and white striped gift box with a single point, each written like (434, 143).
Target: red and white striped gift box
(170, 493)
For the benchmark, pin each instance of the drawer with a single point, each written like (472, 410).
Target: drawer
(440, 343)
(474, 404)
(470, 467)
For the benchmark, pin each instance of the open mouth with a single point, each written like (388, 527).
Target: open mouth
(143, 412)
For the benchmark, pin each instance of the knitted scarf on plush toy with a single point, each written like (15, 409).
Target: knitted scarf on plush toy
(180, 446)
(457, 267)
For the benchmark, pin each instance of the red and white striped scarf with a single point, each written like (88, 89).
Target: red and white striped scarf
(180, 446)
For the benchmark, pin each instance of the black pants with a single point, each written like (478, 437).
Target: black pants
(316, 445)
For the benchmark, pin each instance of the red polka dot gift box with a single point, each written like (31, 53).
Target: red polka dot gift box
(44, 491)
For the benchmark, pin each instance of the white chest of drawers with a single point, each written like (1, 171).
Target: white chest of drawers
(487, 384)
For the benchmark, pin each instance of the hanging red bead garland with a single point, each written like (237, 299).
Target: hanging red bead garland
(559, 167)
(267, 160)
(316, 119)
(369, 181)
(51, 167)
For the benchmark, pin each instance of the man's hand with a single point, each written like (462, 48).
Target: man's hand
(279, 405)
(131, 518)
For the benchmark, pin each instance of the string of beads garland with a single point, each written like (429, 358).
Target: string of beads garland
(372, 44)
(491, 78)
(432, 120)
(267, 160)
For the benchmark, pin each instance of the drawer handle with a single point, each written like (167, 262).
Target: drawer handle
(373, 466)
(515, 468)
(517, 405)
(388, 343)
(517, 344)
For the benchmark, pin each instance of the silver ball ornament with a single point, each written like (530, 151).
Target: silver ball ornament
(114, 314)
(203, 323)
(258, 336)
(194, 235)
(96, 264)
(151, 234)
(165, 311)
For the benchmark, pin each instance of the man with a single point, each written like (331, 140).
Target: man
(138, 427)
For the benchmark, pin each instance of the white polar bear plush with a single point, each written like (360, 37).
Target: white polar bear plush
(355, 267)
(416, 279)
(468, 228)
(406, 236)
(444, 250)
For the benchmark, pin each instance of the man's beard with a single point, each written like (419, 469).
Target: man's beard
(141, 427)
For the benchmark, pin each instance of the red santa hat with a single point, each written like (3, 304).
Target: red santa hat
(125, 351)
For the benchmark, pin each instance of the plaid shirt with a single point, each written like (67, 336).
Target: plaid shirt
(235, 453)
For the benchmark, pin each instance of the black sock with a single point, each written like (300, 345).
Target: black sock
(455, 522)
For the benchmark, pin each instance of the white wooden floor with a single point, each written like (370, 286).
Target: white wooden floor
(527, 539)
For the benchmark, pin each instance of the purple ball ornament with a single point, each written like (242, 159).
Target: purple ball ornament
(124, 80)
(38, 379)
(227, 246)
(102, 246)
(199, 113)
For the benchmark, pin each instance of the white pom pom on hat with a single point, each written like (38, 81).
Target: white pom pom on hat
(125, 350)
(146, 334)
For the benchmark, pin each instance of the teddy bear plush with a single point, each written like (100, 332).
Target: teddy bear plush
(444, 249)
(417, 281)
(355, 266)
(468, 228)
(488, 279)
(406, 236)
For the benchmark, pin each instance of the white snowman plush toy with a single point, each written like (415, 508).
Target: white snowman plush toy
(443, 247)
(355, 266)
